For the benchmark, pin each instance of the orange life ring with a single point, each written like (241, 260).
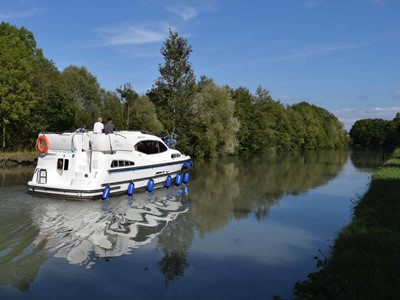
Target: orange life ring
(42, 144)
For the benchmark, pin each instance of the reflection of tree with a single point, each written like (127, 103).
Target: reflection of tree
(21, 262)
(15, 176)
(216, 187)
(235, 187)
(173, 264)
(366, 160)
(175, 241)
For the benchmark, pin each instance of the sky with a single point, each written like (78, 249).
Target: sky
(342, 55)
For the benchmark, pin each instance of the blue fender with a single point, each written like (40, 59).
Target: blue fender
(186, 177)
(106, 193)
(150, 185)
(131, 189)
(168, 181)
(178, 179)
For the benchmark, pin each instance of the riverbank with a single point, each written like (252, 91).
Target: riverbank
(12, 159)
(364, 262)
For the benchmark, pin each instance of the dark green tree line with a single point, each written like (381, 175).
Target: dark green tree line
(376, 132)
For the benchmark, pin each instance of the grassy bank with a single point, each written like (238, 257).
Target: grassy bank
(9, 159)
(364, 263)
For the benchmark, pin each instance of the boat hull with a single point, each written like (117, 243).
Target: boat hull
(89, 168)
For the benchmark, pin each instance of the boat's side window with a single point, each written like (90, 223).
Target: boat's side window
(150, 147)
(141, 147)
(162, 147)
(121, 163)
(60, 164)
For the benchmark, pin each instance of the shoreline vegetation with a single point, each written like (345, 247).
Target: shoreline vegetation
(17, 158)
(364, 262)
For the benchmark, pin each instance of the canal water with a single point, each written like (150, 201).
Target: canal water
(244, 227)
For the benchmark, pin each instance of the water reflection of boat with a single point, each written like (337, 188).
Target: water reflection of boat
(82, 233)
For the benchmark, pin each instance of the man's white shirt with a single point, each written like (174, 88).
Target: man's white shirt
(98, 127)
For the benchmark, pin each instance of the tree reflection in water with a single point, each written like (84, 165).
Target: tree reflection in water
(222, 190)
(233, 188)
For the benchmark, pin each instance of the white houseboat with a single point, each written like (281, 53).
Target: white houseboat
(92, 165)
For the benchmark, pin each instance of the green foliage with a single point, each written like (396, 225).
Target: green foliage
(112, 108)
(371, 132)
(32, 92)
(144, 116)
(54, 110)
(267, 124)
(173, 91)
(17, 54)
(128, 96)
(138, 112)
(214, 127)
(244, 113)
(83, 87)
(321, 129)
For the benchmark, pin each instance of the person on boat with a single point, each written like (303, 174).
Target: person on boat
(98, 126)
(109, 127)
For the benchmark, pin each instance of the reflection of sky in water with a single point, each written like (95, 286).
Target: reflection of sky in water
(268, 243)
(347, 184)
(297, 226)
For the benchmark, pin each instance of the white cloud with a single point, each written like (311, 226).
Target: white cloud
(132, 34)
(19, 14)
(349, 115)
(322, 49)
(184, 11)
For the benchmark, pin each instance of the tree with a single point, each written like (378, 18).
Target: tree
(54, 110)
(173, 91)
(127, 97)
(244, 112)
(112, 108)
(369, 132)
(321, 129)
(85, 90)
(144, 116)
(18, 51)
(393, 131)
(214, 127)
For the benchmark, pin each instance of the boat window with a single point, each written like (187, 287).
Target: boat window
(60, 164)
(66, 164)
(150, 147)
(121, 163)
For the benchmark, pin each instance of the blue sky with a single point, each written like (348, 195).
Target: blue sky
(342, 55)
